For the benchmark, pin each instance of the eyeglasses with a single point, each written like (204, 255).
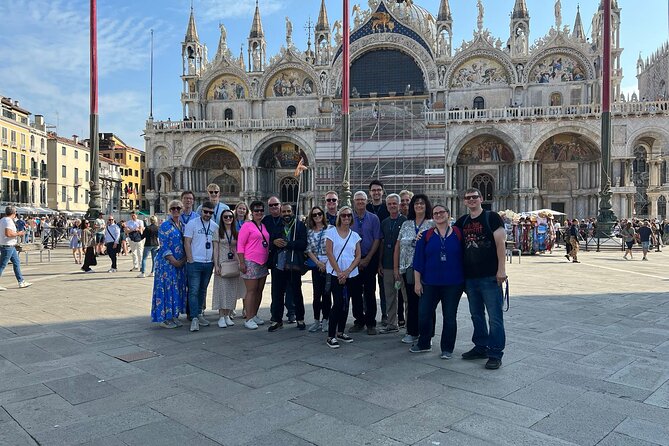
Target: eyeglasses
(175, 208)
(272, 205)
(227, 217)
(317, 214)
(332, 200)
(213, 192)
(438, 213)
(346, 215)
(259, 210)
(419, 203)
(208, 212)
(471, 197)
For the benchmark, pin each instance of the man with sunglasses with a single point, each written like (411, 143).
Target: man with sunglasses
(331, 207)
(484, 264)
(198, 244)
(112, 242)
(214, 195)
(275, 226)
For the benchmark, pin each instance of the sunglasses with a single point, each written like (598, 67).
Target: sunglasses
(346, 215)
(175, 208)
(272, 205)
(317, 214)
(438, 213)
(227, 217)
(332, 200)
(471, 197)
(259, 210)
(213, 192)
(208, 212)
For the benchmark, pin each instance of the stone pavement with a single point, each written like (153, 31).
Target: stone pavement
(586, 363)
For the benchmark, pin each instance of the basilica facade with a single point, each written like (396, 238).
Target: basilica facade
(518, 119)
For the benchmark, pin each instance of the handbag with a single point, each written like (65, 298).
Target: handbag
(229, 269)
(135, 236)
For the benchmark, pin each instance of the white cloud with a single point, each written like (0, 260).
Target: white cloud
(215, 10)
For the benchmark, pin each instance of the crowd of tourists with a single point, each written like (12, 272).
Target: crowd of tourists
(405, 246)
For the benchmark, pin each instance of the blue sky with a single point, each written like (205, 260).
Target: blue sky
(45, 47)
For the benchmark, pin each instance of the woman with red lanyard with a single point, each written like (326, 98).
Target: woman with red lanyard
(252, 252)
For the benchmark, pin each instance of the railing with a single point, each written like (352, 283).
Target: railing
(24, 171)
(430, 117)
(23, 147)
(13, 144)
(34, 173)
(44, 175)
(5, 142)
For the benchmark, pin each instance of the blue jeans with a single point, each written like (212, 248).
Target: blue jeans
(149, 250)
(449, 296)
(485, 294)
(8, 253)
(199, 274)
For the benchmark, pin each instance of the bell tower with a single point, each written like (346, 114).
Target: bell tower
(256, 43)
(322, 37)
(520, 30)
(444, 30)
(192, 54)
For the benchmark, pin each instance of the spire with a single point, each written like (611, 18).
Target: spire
(191, 31)
(256, 27)
(241, 57)
(520, 10)
(322, 24)
(444, 12)
(578, 25)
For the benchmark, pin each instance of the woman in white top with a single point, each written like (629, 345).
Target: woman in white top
(342, 247)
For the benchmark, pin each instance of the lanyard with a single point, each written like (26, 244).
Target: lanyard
(442, 239)
(320, 241)
(183, 217)
(417, 228)
(287, 229)
(393, 224)
(229, 237)
(259, 228)
(206, 230)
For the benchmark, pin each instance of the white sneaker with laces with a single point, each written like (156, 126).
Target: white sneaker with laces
(2, 288)
(221, 322)
(228, 321)
(24, 284)
(194, 325)
(141, 275)
(202, 321)
(251, 324)
(258, 320)
(111, 270)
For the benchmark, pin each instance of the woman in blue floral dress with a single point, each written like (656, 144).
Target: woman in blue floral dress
(169, 283)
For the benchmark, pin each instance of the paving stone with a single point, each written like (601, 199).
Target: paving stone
(211, 383)
(344, 407)
(486, 386)
(498, 432)
(24, 393)
(194, 410)
(546, 396)
(106, 441)
(404, 395)
(122, 401)
(643, 377)
(279, 373)
(322, 429)
(22, 353)
(285, 390)
(164, 433)
(279, 438)
(81, 388)
(39, 414)
(452, 438)
(12, 434)
(618, 439)
(660, 397)
(4, 416)
(644, 430)
(60, 345)
(588, 383)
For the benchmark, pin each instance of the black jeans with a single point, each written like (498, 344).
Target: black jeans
(412, 308)
(284, 282)
(400, 306)
(111, 252)
(449, 296)
(322, 300)
(364, 288)
(340, 299)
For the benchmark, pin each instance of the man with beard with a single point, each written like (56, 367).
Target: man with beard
(287, 264)
(274, 224)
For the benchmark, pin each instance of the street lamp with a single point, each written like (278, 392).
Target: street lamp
(94, 199)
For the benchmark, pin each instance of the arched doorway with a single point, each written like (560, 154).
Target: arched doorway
(486, 162)
(223, 168)
(569, 174)
(641, 179)
(276, 166)
(289, 187)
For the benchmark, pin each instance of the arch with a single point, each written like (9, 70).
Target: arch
(478, 103)
(291, 111)
(662, 207)
(164, 182)
(558, 65)
(227, 183)
(567, 147)
(282, 137)
(462, 140)
(160, 157)
(228, 115)
(216, 158)
(290, 82)
(227, 87)
(386, 70)
(486, 184)
(484, 149)
(479, 71)
(208, 141)
(289, 189)
(589, 132)
(650, 134)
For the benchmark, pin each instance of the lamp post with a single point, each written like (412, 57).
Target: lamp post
(94, 140)
(606, 218)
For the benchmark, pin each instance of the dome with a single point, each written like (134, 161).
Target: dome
(418, 18)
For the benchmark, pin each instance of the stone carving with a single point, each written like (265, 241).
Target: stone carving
(337, 32)
(324, 81)
(485, 149)
(381, 21)
(521, 42)
(289, 32)
(290, 83)
(227, 87)
(558, 14)
(565, 148)
(557, 68)
(479, 18)
(479, 72)
(442, 74)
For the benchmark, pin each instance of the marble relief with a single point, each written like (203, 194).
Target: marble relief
(479, 72)
(290, 83)
(557, 68)
(227, 87)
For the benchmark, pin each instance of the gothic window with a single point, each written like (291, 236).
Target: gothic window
(228, 184)
(486, 184)
(556, 99)
(289, 189)
(291, 111)
(662, 207)
(640, 157)
(479, 103)
(228, 114)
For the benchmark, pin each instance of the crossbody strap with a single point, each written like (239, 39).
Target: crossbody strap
(111, 235)
(345, 243)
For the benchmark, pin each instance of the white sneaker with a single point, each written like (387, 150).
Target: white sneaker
(141, 275)
(194, 325)
(408, 339)
(111, 270)
(221, 322)
(258, 320)
(2, 288)
(151, 275)
(202, 321)
(228, 321)
(251, 324)
(24, 284)
(325, 325)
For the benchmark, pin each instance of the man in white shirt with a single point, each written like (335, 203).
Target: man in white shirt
(8, 240)
(214, 193)
(198, 245)
(134, 228)
(112, 242)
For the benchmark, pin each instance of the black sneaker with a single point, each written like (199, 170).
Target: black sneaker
(356, 328)
(291, 319)
(474, 353)
(332, 343)
(275, 326)
(493, 363)
(344, 338)
(301, 326)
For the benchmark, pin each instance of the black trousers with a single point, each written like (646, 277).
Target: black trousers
(364, 289)
(340, 299)
(322, 300)
(400, 306)
(112, 252)
(286, 282)
(89, 258)
(412, 308)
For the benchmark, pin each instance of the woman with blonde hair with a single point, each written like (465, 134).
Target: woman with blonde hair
(242, 214)
(228, 285)
(169, 282)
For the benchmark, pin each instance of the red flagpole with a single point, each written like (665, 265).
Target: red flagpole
(345, 117)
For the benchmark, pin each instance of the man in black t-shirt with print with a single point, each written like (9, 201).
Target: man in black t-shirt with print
(483, 238)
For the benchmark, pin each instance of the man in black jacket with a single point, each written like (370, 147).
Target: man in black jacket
(289, 246)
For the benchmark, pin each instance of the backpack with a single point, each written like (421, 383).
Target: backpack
(430, 231)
